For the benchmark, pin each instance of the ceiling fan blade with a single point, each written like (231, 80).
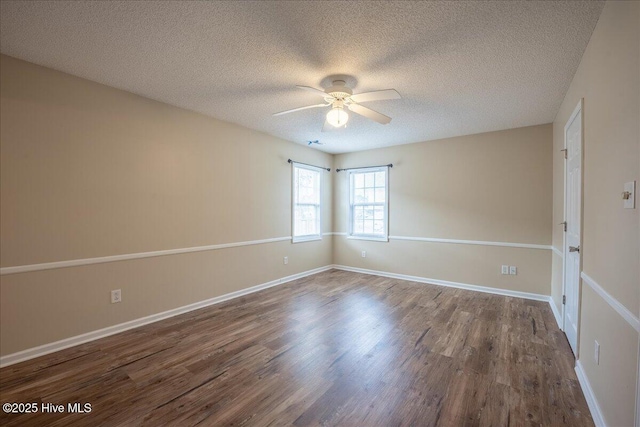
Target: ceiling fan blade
(370, 114)
(313, 89)
(378, 95)
(301, 108)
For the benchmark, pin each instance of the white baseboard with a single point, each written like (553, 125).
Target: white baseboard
(596, 413)
(469, 287)
(556, 313)
(42, 350)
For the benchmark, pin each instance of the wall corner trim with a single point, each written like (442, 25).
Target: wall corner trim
(596, 413)
(458, 285)
(32, 353)
(614, 303)
(556, 313)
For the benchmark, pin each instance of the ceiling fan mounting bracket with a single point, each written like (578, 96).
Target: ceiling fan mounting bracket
(339, 90)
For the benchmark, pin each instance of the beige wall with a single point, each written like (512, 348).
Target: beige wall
(494, 187)
(91, 171)
(608, 79)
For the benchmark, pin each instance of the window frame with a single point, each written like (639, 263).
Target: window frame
(352, 204)
(294, 193)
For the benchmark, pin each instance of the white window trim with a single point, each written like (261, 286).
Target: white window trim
(371, 237)
(308, 237)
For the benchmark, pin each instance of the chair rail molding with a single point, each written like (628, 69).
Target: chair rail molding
(623, 311)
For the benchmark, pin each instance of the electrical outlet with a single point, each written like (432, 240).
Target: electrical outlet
(116, 296)
(286, 260)
(364, 254)
(596, 352)
(505, 269)
(513, 269)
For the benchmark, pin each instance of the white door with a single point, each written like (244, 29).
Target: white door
(573, 216)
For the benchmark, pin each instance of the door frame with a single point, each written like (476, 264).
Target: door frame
(578, 110)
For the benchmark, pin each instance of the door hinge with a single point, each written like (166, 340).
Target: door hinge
(564, 150)
(564, 225)
(564, 299)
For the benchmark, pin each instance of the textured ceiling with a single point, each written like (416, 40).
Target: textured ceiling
(461, 67)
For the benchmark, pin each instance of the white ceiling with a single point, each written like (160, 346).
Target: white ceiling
(461, 67)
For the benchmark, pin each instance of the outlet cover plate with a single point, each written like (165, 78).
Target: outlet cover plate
(630, 187)
(116, 296)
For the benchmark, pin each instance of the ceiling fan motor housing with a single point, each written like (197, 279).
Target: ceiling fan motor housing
(339, 90)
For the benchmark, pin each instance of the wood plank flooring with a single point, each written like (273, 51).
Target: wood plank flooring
(336, 348)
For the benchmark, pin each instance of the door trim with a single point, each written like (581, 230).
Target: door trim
(576, 111)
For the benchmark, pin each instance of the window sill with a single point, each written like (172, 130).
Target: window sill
(371, 238)
(303, 239)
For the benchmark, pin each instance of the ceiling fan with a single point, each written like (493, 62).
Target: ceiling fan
(339, 96)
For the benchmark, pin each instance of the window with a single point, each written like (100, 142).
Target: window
(306, 203)
(368, 203)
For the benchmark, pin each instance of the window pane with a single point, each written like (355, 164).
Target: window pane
(306, 203)
(358, 180)
(306, 177)
(380, 181)
(368, 212)
(379, 212)
(308, 186)
(369, 179)
(306, 221)
(380, 195)
(315, 224)
(368, 195)
(309, 195)
(368, 220)
(358, 196)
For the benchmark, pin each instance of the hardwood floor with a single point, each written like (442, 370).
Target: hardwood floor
(336, 348)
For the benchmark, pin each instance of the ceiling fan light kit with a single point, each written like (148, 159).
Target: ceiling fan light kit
(339, 95)
(337, 117)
